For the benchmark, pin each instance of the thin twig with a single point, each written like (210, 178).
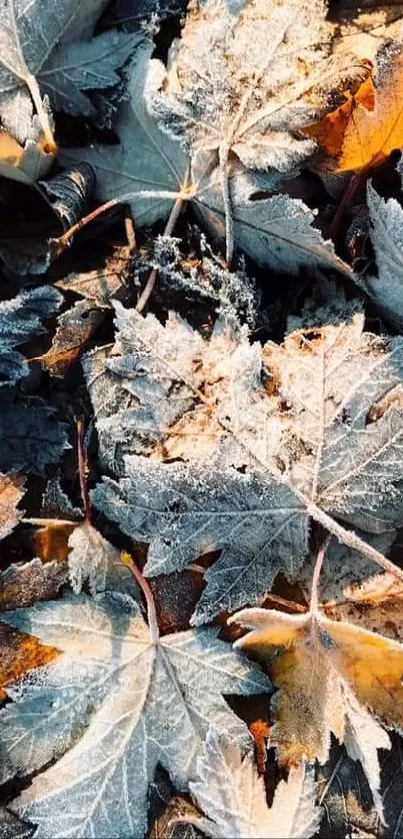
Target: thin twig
(83, 470)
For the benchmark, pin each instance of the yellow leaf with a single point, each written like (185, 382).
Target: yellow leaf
(326, 672)
(28, 163)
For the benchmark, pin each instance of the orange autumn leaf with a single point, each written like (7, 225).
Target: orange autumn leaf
(51, 541)
(19, 653)
(367, 131)
(329, 132)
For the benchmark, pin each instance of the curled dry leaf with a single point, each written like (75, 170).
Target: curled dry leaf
(102, 285)
(74, 328)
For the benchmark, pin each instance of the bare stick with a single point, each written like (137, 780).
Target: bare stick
(148, 596)
(83, 470)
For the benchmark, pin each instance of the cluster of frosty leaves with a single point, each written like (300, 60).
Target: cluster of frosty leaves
(208, 441)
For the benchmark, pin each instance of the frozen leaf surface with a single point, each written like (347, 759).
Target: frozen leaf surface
(25, 584)
(30, 34)
(91, 558)
(21, 319)
(85, 65)
(248, 474)
(277, 231)
(115, 703)
(13, 828)
(233, 105)
(233, 796)
(19, 653)
(386, 289)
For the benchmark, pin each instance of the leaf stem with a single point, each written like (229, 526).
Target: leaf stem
(38, 522)
(313, 605)
(169, 229)
(148, 596)
(58, 245)
(349, 538)
(353, 186)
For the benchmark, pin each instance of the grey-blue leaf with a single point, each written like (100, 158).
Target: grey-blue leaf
(21, 319)
(85, 65)
(31, 436)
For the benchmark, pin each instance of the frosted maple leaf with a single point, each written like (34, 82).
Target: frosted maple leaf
(223, 444)
(117, 700)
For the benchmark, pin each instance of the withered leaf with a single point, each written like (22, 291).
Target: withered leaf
(23, 585)
(74, 328)
(11, 492)
(329, 674)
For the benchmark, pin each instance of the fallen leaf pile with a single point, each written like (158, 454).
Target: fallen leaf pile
(201, 419)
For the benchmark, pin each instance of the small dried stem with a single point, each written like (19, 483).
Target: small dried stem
(62, 242)
(83, 470)
(349, 538)
(348, 196)
(226, 197)
(148, 596)
(169, 229)
(313, 605)
(38, 522)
